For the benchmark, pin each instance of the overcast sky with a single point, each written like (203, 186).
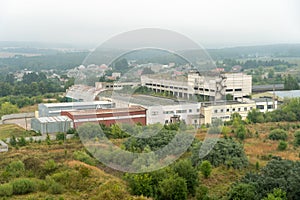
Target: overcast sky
(212, 23)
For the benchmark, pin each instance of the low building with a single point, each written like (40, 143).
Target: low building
(130, 115)
(54, 109)
(161, 110)
(51, 124)
(223, 110)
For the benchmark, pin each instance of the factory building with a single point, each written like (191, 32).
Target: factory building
(213, 86)
(161, 110)
(54, 109)
(223, 110)
(131, 115)
(51, 124)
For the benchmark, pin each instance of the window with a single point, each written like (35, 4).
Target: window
(227, 110)
(238, 90)
(233, 109)
(195, 121)
(250, 108)
(229, 90)
(260, 107)
(180, 111)
(166, 121)
(245, 109)
(270, 106)
(168, 112)
(221, 110)
(198, 110)
(216, 111)
(239, 109)
(154, 113)
(190, 110)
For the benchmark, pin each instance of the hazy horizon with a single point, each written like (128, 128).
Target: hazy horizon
(213, 24)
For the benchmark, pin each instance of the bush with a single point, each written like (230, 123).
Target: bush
(282, 146)
(173, 188)
(224, 152)
(205, 168)
(15, 168)
(201, 192)
(23, 186)
(56, 188)
(60, 136)
(297, 138)
(84, 157)
(278, 134)
(6, 190)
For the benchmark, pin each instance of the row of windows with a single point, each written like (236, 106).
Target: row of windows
(261, 107)
(231, 90)
(233, 110)
(172, 112)
(202, 89)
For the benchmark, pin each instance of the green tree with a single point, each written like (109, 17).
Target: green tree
(291, 83)
(255, 116)
(8, 108)
(173, 188)
(206, 168)
(242, 191)
(185, 170)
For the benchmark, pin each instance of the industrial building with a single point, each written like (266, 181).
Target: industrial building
(131, 115)
(223, 110)
(161, 110)
(214, 86)
(54, 109)
(51, 124)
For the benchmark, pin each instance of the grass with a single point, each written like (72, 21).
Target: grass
(97, 185)
(7, 130)
(28, 109)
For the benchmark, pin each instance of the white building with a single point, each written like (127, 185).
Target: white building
(161, 110)
(209, 85)
(223, 110)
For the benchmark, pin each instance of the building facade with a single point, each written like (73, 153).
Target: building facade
(56, 124)
(130, 115)
(54, 109)
(214, 86)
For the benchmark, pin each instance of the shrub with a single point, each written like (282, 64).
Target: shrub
(282, 146)
(15, 168)
(6, 190)
(205, 168)
(23, 186)
(201, 192)
(84, 157)
(173, 188)
(56, 188)
(22, 142)
(278, 134)
(297, 138)
(60, 136)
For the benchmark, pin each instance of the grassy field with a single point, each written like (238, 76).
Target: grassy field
(7, 130)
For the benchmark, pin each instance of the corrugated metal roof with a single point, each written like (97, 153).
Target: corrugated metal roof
(54, 119)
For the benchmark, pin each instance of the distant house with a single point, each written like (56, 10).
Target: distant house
(236, 68)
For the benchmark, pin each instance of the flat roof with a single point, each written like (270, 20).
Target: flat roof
(53, 119)
(50, 105)
(106, 110)
(288, 94)
(147, 100)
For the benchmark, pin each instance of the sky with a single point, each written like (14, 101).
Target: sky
(211, 23)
